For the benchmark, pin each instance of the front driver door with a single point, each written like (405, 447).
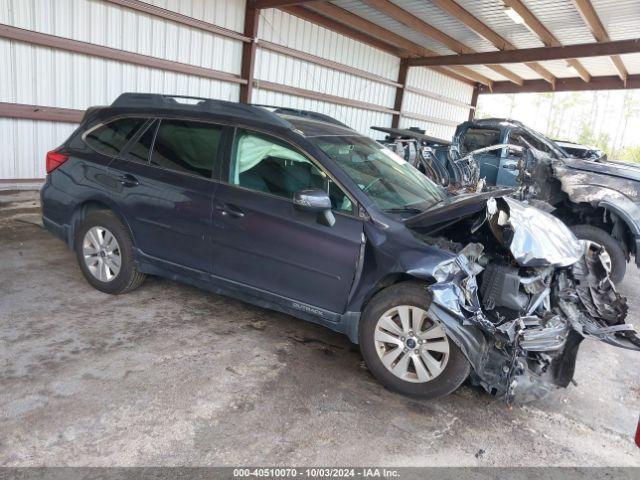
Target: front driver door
(261, 240)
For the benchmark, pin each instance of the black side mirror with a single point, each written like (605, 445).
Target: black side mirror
(317, 201)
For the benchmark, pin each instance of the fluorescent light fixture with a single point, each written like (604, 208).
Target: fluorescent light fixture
(513, 15)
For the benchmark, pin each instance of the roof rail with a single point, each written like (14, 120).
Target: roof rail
(188, 103)
(295, 112)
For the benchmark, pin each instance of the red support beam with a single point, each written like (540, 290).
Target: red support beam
(322, 97)
(251, 20)
(402, 80)
(474, 102)
(41, 113)
(290, 52)
(93, 50)
(144, 7)
(582, 50)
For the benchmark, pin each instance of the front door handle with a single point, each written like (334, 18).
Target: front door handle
(510, 166)
(227, 210)
(129, 180)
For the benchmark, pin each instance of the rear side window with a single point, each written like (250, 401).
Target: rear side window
(111, 138)
(140, 151)
(188, 147)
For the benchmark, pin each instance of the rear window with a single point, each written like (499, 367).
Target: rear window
(111, 138)
(188, 147)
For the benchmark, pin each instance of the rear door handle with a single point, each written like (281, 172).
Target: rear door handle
(227, 210)
(510, 166)
(129, 180)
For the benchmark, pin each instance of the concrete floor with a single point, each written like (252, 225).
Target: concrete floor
(171, 375)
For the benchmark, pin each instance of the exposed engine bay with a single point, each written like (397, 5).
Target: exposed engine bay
(534, 297)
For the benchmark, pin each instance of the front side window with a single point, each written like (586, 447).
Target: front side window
(111, 138)
(391, 182)
(186, 146)
(268, 165)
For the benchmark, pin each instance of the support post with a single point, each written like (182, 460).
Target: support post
(251, 19)
(402, 80)
(474, 102)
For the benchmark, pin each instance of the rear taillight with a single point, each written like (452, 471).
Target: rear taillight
(55, 159)
(638, 434)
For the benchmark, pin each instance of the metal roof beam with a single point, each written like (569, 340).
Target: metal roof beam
(583, 50)
(345, 30)
(591, 18)
(468, 19)
(544, 34)
(420, 26)
(343, 16)
(611, 82)
(337, 16)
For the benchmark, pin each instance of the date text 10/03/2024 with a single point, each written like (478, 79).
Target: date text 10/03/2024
(316, 472)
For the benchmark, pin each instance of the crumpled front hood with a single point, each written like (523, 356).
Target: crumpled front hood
(454, 207)
(534, 238)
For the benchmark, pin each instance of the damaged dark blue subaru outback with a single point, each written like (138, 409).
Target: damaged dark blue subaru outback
(293, 211)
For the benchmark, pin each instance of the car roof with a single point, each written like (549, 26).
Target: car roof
(172, 104)
(302, 121)
(497, 122)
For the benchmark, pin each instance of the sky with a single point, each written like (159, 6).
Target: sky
(610, 118)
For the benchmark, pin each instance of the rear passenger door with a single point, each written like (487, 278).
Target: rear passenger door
(167, 191)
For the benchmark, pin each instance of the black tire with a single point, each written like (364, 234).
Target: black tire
(610, 244)
(128, 278)
(414, 294)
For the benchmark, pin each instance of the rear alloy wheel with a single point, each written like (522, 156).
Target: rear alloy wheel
(406, 348)
(101, 254)
(105, 253)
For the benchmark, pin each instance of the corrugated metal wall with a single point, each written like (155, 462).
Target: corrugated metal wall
(37, 75)
(449, 113)
(284, 29)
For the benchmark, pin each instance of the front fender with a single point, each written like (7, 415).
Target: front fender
(627, 210)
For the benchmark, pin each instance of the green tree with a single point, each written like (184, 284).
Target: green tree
(630, 154)
(587, 136)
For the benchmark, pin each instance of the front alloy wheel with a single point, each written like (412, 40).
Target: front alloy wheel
(410, 345)
(405, 347)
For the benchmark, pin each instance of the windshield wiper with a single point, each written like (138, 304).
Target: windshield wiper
(404, 209)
